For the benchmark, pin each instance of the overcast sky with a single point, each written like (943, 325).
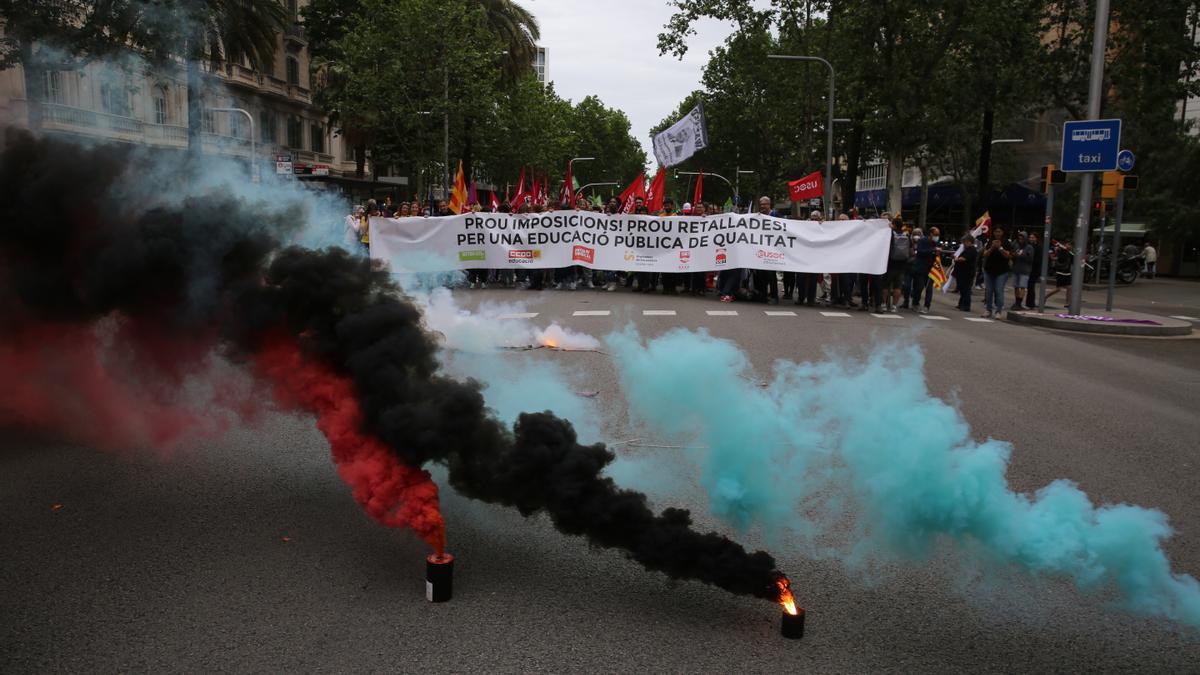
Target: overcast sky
(610, 48)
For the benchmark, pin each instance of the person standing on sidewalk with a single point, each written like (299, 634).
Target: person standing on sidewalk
(964, 272)
(1035, 275)
(926, 250)
(997, 262)
(1022, 268)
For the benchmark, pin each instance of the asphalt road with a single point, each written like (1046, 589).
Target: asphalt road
(248, 554)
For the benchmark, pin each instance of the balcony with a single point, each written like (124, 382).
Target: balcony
(68, 116)
(293, 36)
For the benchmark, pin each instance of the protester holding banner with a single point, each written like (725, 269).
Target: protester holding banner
(766, 283)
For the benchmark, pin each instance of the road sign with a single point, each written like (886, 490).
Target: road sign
(1091, 145)
(1125, 160)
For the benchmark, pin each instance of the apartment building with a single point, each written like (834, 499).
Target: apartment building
(124, 100)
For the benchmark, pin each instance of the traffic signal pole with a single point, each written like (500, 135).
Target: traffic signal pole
(1116, 249)
(1095, 92)
(1046, 247)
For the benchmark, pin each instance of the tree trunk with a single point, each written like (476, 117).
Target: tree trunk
(924, 198)
(35, 86)
(985, 159)
(853, 156)
(195, 106)
(468, 148)
(895, 181)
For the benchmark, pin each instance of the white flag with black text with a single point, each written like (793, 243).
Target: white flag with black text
(683, 139)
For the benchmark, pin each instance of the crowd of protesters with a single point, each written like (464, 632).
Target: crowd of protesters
(992, 263)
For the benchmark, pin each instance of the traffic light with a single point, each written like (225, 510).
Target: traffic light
(1052, 176)
(1129, 182)
(1112, 183)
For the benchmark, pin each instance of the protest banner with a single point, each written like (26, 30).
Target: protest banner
(631, 242)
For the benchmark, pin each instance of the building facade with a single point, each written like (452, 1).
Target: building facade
(124, 100)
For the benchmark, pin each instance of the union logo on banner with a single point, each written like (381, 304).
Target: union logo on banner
(584, 254)
(685, 256)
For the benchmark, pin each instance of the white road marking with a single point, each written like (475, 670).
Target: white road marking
(935, 318)
(770, 313)
(886, 316)
(520, 315)
(592, 312)
(658, 312)
(1186, 318)
(841, 314)
(978, 320)
(721, 312)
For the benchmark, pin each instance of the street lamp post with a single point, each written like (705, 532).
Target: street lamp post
(732, 186)
(1095, 94)
(571, 173)
(827, 201)
(253, 147)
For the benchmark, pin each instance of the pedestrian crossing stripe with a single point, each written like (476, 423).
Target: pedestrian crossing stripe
(592, 312)
(520, 315)
(770, 313)
(721, 312)
(840, 314)
(886, 316)
(935, 318)
(658, 312)
(979, 320)
(1186, 318)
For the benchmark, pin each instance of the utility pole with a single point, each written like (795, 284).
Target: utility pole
(826, 200)
(1095, 94)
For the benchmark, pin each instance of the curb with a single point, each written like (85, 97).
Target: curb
(1169, 327)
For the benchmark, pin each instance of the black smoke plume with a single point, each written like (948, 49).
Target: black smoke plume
(198, 274)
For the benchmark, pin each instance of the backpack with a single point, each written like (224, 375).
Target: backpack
(900, 248)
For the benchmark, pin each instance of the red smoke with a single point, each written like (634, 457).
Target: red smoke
(83, 382)
(392, 493)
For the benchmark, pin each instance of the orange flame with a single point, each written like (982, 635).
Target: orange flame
(785, 596)
(550, 343)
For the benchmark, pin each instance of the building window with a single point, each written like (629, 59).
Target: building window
(317, 132)
(266, 126)
(294, 133)
(114, 97)
(208, 121)
(235, 121)
(54, 87)
(293, 71)
(160, 107)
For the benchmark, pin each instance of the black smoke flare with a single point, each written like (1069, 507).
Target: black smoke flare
(72, 252)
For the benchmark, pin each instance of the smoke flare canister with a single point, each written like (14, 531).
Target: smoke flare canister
(439, 577)
(792, 626)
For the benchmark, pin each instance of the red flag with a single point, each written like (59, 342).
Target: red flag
(519, 198)
(636, 189)
(809, 187)
(654, 196)
(543, 195)
(699, 189)
(493, 203)
(568, 190)
(533, 190)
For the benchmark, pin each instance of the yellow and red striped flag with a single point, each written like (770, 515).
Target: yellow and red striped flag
(937, 273)
(458, 196)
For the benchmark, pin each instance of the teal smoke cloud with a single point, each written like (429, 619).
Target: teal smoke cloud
(900, 464)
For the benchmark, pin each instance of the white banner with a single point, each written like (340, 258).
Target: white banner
(682, 139)
(630, 242)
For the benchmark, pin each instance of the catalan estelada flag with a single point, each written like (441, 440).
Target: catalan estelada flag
(458, 196)
(937, 273)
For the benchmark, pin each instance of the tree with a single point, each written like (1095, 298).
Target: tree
(45, 35)
(517, 30)
(208, 31)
